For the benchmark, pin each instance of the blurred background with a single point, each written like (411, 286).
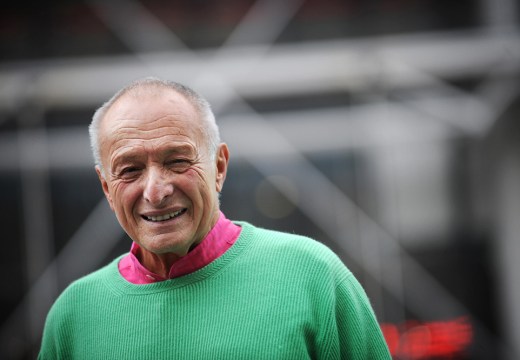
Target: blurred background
(387, 129)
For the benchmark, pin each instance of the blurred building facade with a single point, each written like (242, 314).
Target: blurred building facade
(386, 129)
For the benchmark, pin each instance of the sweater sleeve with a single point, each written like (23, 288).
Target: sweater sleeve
(354, 332)
(54, 333)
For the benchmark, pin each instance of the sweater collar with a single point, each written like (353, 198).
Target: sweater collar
(220, 238)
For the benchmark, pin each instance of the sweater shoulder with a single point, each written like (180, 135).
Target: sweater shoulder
(102, 273)
(276, 238)
(287, 248)
(294, 243)
(90, 285)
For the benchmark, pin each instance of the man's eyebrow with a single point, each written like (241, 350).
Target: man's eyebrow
(180, 150)
(132, 155)
(126, 158)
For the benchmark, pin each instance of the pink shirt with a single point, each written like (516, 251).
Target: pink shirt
(221, 237)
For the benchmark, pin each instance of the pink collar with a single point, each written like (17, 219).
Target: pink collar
(221, 237)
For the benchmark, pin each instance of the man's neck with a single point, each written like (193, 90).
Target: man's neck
(159, 264)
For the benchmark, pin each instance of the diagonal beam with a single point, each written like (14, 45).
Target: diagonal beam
(351, 228)
(88, 239)
(135, 25)
(227, 94)
(91, 243)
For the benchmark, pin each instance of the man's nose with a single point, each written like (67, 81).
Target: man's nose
(158, 187)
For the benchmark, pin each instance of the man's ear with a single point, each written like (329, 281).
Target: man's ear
(222, 160)
(104, 186)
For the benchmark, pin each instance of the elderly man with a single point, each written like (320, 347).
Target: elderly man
(194, 284)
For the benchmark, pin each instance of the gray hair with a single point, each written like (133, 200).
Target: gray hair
(209, 124)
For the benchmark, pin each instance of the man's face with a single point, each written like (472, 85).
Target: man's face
(159, 178)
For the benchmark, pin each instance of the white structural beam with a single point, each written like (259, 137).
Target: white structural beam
(392, 62)
(312, 131)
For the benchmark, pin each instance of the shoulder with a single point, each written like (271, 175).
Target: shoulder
(294, 242)
(73, 308)
(85, 288)
(277, 240)
(302, 251)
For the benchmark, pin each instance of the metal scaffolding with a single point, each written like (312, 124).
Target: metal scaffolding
(418, 71)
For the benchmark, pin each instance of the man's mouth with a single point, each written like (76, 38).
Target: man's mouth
(165, 216)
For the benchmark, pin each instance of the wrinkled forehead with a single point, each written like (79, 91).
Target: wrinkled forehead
(146, 107)
(150, 119)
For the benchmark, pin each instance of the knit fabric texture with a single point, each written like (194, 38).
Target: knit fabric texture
(272, 295)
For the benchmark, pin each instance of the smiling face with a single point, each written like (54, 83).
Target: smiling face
(159, 177)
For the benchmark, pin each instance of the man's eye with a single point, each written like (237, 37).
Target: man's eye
(178, 163)
(128, 171)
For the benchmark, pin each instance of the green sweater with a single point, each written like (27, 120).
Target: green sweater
(270, 296)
